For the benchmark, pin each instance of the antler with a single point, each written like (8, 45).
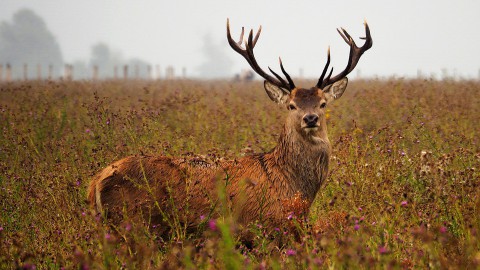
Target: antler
(247, 53)
(355, 53)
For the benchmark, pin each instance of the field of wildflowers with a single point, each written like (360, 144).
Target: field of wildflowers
(403, 190)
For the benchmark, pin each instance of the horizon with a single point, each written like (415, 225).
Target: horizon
(409, 46)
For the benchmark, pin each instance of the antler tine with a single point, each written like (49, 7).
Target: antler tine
(257, 36)
(353, 58)
(290, 82)
(368, 37)
(247, 53)
(343, 36)
(320, 80)
(278, 76)
(236, 46)
(240, 41)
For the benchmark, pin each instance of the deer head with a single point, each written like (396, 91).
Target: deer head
(306, 106)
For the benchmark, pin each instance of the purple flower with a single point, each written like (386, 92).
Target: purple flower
(128, 227)
(404, 203)
(87, 130)
(202, 217)
(382, 250)
(318, 261)
(212, 224)
(29, 266)
(291, 252)
(276, 229)
(356, 227)
(108, 236)
(443, 229)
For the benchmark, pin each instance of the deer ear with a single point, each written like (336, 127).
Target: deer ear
(277, 94)
(335, 90)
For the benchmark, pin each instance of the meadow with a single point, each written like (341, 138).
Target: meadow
(403, 190)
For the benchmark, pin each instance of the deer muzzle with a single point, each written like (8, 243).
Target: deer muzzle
(310, 120)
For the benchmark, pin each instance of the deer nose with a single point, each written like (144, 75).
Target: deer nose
(311, 120)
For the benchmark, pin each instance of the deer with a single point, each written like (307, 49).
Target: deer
(161, 190)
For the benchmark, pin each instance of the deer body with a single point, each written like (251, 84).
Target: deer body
(297, 166)
(157, 190)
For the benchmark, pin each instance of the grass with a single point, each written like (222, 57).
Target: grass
(403, 190)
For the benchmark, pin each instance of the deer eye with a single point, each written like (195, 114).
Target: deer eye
(292, 107)
(323, 105)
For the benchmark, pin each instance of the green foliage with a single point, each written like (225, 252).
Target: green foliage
(403, 190)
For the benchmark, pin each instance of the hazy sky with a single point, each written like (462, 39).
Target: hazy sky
(407, 35)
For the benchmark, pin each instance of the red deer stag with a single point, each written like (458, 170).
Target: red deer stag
(162, 190)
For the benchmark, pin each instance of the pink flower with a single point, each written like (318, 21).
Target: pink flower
(443, 229)
(291, 252)
(202, 217)
(382, 250)
(29, 266)
(212, 224)
(356, 227)
(318, 261)
(404, 203)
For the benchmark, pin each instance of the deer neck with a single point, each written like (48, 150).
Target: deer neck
(303, 159)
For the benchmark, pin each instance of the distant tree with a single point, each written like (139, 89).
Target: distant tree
(106, 60)
(101, 56)
(217, 63)
(27, 40)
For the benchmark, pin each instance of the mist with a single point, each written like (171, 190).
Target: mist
(410, 38)
(31, 50)
(26, 41)
(216, 63)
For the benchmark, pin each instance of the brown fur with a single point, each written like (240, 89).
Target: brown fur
(160, 190)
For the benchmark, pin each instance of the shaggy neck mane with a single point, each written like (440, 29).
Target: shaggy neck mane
(303, 158)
